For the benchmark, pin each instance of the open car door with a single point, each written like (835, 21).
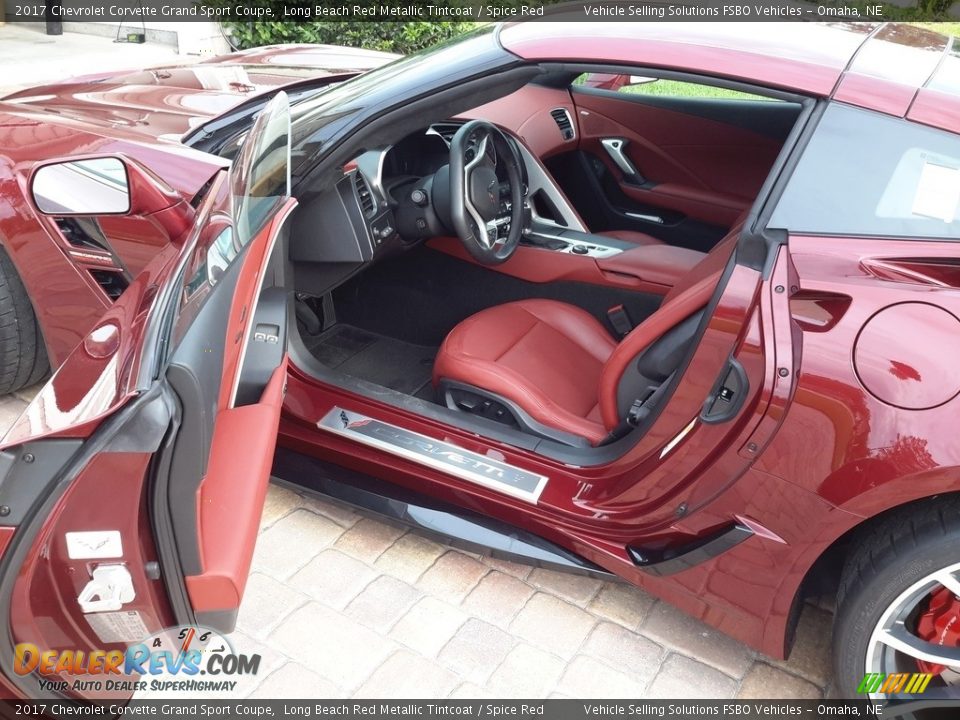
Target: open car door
(132, 487)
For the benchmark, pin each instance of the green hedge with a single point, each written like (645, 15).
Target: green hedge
(397, 37)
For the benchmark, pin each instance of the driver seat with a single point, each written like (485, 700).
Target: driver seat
(554, 367)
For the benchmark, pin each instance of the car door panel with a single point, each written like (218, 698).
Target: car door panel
(704, 158)
(142, 443)
(230, 500)
(214, 506)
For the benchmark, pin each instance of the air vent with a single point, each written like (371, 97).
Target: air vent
(83, 233)
(446, 130)
(367, 203)
(564, 122)
(112, 282)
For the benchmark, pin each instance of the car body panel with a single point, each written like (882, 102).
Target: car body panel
(890, 67)
(174, 100)
(803, 57)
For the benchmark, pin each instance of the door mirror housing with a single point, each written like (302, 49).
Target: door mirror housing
(107, 185)
(92, 186)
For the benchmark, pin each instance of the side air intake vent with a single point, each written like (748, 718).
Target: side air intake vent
(83, 233)
(112, 281)
(564, 122)
(367, 203)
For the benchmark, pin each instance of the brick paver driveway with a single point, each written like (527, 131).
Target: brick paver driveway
(339, 605)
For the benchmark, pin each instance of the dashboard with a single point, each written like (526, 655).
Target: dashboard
(385, 204)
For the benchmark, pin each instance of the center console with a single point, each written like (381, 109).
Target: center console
(573, 242)
(552, 253)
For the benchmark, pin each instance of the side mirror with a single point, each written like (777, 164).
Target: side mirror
(96, 186)
(109, 185)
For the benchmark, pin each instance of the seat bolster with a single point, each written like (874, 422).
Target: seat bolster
(630, 236)
(668, 316)
(491, 349)
(512, 386)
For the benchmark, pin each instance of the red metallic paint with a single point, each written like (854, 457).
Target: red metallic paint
(890, 66)
(807, 58)
(175, 99)
(935, 108)
(44, 608)
(906, 374)
(838, 440)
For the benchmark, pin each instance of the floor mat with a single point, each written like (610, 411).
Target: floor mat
(395, 364)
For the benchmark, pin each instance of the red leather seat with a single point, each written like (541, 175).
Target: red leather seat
(637, 238)
(557, 362)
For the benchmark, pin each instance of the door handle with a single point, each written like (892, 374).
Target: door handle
(616, 148)
(646, 218)
(728, 394)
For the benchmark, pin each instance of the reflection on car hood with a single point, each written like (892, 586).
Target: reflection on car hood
(172, 100)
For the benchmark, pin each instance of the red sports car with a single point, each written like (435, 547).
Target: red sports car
(675, 303)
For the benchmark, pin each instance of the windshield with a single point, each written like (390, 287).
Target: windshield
(260, 177)
(405, 78)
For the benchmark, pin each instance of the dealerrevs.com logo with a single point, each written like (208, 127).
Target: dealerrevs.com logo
(180, 659)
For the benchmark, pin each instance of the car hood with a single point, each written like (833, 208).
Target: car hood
(172, 100)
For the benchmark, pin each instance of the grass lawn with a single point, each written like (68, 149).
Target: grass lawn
(675, 88)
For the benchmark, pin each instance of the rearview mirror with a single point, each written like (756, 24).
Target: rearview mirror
(96, 186)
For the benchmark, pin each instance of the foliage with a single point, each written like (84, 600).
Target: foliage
(934, 8)
(401, 37)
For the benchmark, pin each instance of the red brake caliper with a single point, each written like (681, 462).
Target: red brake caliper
(940, 624)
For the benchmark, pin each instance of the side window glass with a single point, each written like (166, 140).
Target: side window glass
(865, 173)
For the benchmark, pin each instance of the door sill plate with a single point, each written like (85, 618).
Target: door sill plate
(436, 454)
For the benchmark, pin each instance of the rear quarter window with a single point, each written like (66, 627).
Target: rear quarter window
(865, 173)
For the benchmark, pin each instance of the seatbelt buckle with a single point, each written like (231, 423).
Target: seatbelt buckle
(620, 320)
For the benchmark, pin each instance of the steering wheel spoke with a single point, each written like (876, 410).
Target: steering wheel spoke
(488, 224)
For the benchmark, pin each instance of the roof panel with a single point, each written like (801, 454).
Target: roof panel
(807, 57)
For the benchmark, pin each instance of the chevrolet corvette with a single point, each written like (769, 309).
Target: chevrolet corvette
(676, 304)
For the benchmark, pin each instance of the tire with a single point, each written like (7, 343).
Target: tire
(23, 356)
(890, 572)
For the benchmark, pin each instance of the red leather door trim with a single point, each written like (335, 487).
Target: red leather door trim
(706, 205)
(230, 498)
(706, 169)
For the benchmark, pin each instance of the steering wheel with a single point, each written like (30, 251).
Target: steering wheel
(487, 214)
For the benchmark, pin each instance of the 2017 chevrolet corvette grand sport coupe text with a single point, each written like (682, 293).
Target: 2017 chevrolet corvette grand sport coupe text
(526, 291)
